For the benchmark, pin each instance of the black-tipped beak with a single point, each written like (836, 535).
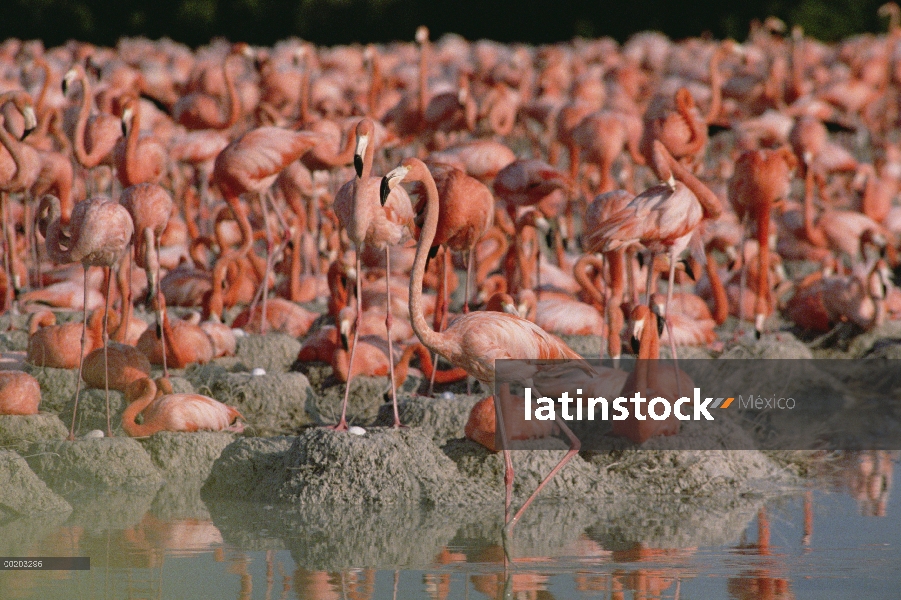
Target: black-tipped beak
(636, 345)
(689, 270)
(384, 190)
(124, 130)
(344, 342)
(757, 334)
(661, 323)
(26, 133)
(159, 331)
(640, 258)
(65, 87)
(358, 167)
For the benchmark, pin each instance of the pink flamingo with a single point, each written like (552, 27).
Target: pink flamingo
(475, 340)
(371, 220)
(101, 231)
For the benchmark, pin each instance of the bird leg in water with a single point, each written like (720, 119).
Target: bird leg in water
(388, 320)
(84, 329)
(342, 423)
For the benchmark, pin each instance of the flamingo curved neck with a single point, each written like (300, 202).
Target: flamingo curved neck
(136, 407)
(436, 342)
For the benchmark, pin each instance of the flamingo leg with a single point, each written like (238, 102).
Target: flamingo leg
(342, 423)
(8, 251)
(388, 319)
(269, 253)
(574, 446)
(109, 283)
(466, 304)
(743, 278)
(84, 330)
(159, 315)
(440, 314)
(650, 282)
(669, 327)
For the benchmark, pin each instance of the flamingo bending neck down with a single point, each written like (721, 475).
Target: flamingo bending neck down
(101, 231)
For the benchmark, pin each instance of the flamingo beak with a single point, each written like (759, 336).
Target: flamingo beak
(390, 181)
(68, 78)
(359, 153)
(126, 119)
(345, 334)
(31, 121)
(636, 345)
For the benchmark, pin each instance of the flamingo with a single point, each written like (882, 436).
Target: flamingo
(174, 412)
(56, 346)
(101, 231)
(20, 393)
(150, 207)
(650, 379)
(139, 159)
(251, 164)
(475, 340)
(203, 111)
(762, 178)
(371, 220)
(662, 218)
(94, 137)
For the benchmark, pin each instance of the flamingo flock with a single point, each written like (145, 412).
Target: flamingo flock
(564, 182)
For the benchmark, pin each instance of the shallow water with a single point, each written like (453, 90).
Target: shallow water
(840, 539)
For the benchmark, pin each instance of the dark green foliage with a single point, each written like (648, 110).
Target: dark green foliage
(343, 21)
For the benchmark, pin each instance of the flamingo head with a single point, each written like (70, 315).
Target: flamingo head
(390, 181)
(68, 78)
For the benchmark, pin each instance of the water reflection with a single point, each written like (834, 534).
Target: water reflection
(748, 549)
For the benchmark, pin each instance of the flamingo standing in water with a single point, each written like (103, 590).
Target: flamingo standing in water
(376, 220)
(474, 341)
(101, 231)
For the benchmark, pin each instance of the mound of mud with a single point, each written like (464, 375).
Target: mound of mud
(274, 403)
(57, 387)
(94, 465)
(367, 395)
(442, 418)
(274, 352)
(249, 468)
(22, 493)
(181, 456)
(17, 432)
(383, 467)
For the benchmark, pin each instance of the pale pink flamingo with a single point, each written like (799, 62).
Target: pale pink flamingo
(371, 220)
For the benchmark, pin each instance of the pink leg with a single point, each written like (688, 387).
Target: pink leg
(342, 424)
(84, 329)
(109, 282)
(669, 328)
(388, 319)
(574, 446)
(441, 314)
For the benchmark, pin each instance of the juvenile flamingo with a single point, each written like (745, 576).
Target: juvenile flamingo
(174, 412)
(375, 220)
(475, 340)
(100, 233)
